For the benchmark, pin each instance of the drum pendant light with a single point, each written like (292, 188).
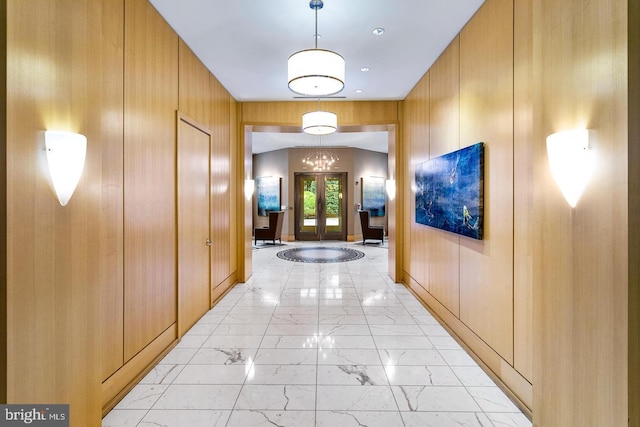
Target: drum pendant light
(316, 72)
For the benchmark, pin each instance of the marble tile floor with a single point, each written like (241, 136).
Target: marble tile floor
(331, 344)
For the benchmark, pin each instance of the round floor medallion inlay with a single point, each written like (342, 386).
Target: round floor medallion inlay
(320, 254)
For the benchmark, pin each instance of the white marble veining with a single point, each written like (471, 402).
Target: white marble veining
(182, 418)
(317, 345)
(266, 418)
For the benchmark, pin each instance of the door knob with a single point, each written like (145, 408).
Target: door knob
(208, 242)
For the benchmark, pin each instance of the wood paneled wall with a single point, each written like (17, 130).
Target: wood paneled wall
(99, 274)
(3, 205)
(486, 114)
(349, 112)
(60, 62)
(223, 249)
(234, 137)
(416, 149)
(581, 280)
(443, 248)
(395, 208)
(523, 206)
(112, 219)
(150, 102)
(633, 50)
(466, 97)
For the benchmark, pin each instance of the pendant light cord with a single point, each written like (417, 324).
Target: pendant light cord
(316, 36)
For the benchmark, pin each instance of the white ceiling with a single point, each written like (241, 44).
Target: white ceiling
(246, 43)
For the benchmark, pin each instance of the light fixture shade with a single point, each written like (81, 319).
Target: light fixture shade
(249, 188)
(319, 123)
(391, 188)
(316, 72)
(571, 162)
(66, 152)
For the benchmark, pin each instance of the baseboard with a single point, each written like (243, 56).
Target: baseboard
(517, 387)
(129, 375)
(222, 289)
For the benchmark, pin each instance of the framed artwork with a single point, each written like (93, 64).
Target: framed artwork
(373, 195)
(268, 191)
(449, 191)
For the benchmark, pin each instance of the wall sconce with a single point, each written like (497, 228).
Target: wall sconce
(66, 152)
(571, 162)
(249, 186)
(391, 188)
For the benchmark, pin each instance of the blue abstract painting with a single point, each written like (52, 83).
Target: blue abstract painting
(268, 193)
(373, 196)
(449, 191)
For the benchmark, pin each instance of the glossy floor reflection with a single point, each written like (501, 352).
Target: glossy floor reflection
(317, 345)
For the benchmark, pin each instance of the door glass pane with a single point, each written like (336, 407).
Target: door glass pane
(333, 197)
(309, 196)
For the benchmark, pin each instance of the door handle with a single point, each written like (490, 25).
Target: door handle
(208, 242)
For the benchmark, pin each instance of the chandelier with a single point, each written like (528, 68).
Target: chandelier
(320, 159)
(316, 72)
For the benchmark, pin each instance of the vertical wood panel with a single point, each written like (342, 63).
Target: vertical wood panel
(394, 224)
(220, 184)
(3, 205)
(194, 86)
(111, 220)
(417, 112)
(444, 247)
(581, 279)
(246, 159)
(58, 75)
(634, 206)
(348, 112)
(233, 185)
(151, 99)
(523, 206)
(486, 114)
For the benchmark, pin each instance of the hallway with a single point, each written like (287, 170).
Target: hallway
(324, 344)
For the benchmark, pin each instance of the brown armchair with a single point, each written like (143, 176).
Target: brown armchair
(368, 231)
(275, 228)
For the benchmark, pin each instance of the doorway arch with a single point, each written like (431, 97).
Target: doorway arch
(284, 117)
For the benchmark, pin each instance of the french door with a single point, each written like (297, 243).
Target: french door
(321, 206)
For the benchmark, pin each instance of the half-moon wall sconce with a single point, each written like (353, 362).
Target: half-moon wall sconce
(571, 162)
(66, 152)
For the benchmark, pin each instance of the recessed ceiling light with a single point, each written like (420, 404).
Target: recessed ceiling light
(365, 69)
(378, 31)
(359, 91)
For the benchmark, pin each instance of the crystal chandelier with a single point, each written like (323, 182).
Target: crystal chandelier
(316, 72)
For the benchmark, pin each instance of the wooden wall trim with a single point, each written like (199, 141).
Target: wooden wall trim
(633, 51)
(350, 113)
(519, 389)
(3, 204)
(124, 379)
(218, 292)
